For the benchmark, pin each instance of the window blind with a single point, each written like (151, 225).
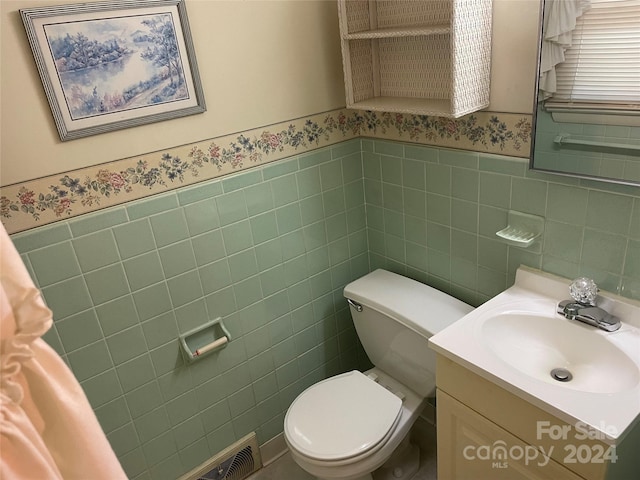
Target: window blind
(601, 70)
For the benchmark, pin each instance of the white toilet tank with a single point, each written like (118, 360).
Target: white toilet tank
(397, 317)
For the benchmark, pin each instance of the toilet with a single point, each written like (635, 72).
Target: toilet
(354, 426)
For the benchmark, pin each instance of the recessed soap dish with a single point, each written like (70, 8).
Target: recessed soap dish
(519, 237)
(523, 229)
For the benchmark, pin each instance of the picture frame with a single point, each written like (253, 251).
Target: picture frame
(112, 65)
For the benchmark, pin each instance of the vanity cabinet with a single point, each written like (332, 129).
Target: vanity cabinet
(486, 432)
(424, 57)
(472, 447)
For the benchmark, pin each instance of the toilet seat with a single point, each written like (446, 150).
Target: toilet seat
(366, 412)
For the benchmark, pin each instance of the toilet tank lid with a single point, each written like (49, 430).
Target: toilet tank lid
(419, 307)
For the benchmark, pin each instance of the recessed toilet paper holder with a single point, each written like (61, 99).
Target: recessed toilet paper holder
(204, 340)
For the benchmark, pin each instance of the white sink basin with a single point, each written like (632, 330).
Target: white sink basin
(535, 345)
(516, 339)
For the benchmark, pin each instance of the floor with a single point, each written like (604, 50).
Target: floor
(284, 468)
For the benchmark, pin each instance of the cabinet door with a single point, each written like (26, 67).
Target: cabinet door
(474, 448)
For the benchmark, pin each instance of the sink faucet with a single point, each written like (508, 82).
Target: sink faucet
(583, 307)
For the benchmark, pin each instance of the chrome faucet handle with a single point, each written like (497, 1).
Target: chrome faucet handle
(584, 290)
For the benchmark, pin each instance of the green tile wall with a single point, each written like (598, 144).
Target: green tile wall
(270, 250)
(432, 214)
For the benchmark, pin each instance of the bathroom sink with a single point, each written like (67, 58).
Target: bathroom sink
(546, 348)
(574, 371)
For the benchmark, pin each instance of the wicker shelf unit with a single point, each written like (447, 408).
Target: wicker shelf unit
(425, 57)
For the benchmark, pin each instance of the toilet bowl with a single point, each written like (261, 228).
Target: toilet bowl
(347, 426)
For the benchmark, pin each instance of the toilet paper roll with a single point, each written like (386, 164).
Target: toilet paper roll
(210, 346)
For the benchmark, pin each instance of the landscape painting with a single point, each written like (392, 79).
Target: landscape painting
(117, 64)
(106, 68)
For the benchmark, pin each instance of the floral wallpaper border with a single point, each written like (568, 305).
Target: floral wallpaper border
(39, 202)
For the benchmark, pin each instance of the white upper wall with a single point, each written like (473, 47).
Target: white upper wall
(260, 62)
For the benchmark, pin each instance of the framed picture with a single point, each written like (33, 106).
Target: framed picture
(114, 64)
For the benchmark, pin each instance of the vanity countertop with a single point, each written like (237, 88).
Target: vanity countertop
(515, 339)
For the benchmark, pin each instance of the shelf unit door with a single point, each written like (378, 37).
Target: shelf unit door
(471, 24)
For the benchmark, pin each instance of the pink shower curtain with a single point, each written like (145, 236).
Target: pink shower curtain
(47, 427)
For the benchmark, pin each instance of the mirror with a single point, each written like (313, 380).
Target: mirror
(589, 139)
